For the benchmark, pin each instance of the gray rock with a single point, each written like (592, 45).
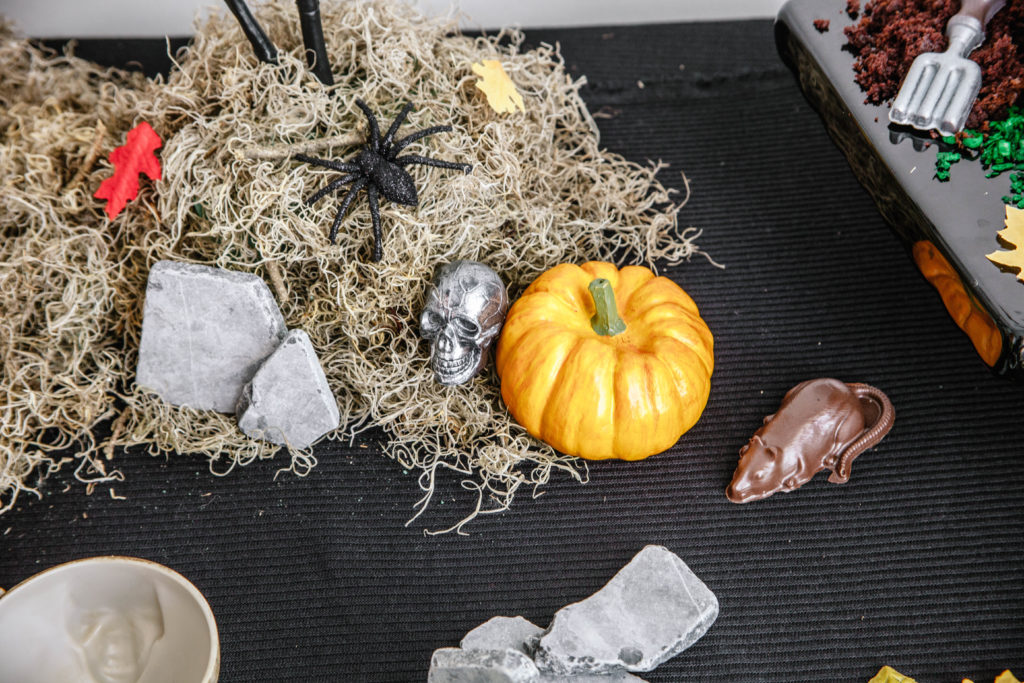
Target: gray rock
(205, 332)
(288, 401)
(649, 612)
(621, 677)
(504, 633)
(453, 665)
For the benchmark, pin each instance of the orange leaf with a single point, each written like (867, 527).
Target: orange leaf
(135, 157)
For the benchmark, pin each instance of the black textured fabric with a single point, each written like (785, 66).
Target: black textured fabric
(916, 562)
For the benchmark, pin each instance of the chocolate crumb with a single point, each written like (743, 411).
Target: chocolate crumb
(821, 25)
(891, 33)
(852, 8)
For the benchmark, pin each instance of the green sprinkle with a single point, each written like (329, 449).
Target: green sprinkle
(943, 161)
(973, 142)
(1016, 198)
(999, 150)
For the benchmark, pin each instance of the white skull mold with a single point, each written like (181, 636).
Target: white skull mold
(466, 306)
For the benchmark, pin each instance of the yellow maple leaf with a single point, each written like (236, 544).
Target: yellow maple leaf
(1013, 234)
(887, 674)
(1005, 677)
(500, 90)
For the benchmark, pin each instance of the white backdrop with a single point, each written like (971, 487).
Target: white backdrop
(124, 18)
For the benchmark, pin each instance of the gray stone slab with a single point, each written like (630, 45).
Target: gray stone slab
(504, 633)
(649, 612)
(205, 332)
(288, 400)
(454, 665)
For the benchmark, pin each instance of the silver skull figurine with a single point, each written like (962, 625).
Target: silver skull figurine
(466, 306)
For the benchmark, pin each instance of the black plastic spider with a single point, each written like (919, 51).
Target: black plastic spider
(378, 168)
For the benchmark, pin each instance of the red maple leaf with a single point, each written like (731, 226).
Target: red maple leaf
(135, 157)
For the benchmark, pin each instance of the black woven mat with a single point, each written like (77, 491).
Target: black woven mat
(915, 563)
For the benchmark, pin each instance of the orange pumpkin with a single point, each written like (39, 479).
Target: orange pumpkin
(602, 363)
(968, 315)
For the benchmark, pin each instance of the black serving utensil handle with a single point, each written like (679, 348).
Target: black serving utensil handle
(313, 39)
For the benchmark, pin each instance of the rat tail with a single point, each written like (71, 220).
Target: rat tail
(884, 415)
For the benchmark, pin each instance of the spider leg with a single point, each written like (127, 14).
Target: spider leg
(327, 163)
(323, 192)
(374, 128)
(344, 207)
(409, 139)
(378, 238)
(390, 135)
(427, 161)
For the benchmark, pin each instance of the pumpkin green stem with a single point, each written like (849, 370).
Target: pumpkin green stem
(606, 321)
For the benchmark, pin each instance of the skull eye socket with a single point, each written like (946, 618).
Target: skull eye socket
(432, 321)
(85, 626)
(465, 326)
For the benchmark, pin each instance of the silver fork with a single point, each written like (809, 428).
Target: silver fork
(940, 88)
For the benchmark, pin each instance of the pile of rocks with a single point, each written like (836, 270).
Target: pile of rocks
(214, 339)
(650, 611)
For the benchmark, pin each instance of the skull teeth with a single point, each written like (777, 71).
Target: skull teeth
(453, 364)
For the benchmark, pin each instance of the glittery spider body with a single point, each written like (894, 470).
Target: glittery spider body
(378, 168)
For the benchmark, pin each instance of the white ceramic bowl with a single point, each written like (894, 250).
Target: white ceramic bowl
(107, 620)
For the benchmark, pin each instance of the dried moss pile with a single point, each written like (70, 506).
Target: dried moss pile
(71, 283)
(64, 273)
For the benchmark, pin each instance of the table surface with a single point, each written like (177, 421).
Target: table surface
(915, 563)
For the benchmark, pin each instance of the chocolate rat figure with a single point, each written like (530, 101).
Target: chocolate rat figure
(821, 424)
